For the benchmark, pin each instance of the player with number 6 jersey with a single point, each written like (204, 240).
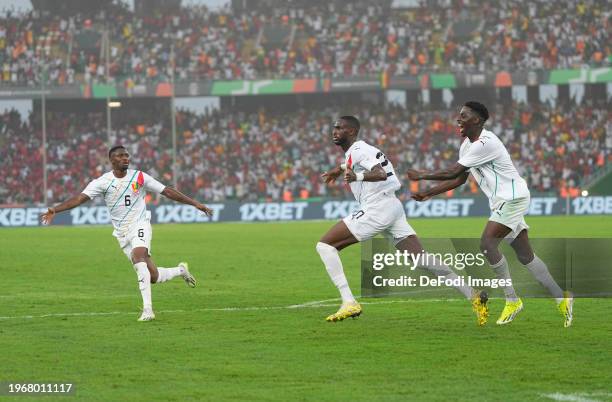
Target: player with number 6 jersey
(373, 182)
(124, 190)
(125, 199)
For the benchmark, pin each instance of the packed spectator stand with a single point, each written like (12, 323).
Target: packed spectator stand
(303, 39)
(279, 156)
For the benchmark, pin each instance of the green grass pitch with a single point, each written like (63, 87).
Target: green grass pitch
(234, 337)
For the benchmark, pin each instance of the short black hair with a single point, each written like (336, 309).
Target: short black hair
(352, 121)
(113, 149)
(479, 108)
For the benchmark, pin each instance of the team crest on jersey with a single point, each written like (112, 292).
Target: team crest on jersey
(138, 183)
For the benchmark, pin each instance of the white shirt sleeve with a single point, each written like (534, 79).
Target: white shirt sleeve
(361, 158)
(152, 185)
(479, 153)
(93, 189)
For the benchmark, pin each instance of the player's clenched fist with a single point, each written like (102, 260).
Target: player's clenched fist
(349, 175)
(414, 174)
(48, 216)
(419, 196)
(205, 209)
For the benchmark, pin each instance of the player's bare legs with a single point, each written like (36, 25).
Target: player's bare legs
(337, 238)
(152, 269)
(141, 254)
(492, 235)
(540, 271)
(161, 274)
(148, 273)
(522, 248)
(412, 244)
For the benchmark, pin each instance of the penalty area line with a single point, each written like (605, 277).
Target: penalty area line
(311, 304)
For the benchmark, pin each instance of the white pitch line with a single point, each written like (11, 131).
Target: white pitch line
(312, 304)
(579, 397)
(61, 296)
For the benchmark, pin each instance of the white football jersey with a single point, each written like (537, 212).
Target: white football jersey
(491, 166)
(363, 157)
(124, 197)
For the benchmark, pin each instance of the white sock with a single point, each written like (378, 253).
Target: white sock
(502, 272)
(540, 271)
(144, 284)
(333, 265)
(165, 274)
(438, 268)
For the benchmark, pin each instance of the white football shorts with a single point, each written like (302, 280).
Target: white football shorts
(385, 215)
(512, 215)
(140, 235)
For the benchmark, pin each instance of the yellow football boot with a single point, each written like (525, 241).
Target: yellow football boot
(346, 310)
(511, 310)
(566, 308)
(479, 305)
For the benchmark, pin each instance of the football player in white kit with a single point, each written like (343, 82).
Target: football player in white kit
(486, 157)
(123, 191)
(374, 183)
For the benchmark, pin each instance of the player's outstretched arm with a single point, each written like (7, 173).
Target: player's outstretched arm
(177, 196)
(443, 174)
(441, 188)
(73, 202)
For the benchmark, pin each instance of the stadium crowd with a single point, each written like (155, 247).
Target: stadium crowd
(307, 39)
(280, 156)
